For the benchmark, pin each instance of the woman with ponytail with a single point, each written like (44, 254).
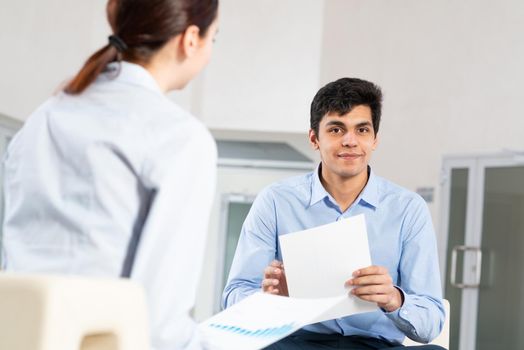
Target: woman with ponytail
(111, 178)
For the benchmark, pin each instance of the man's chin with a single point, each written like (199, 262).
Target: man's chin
(350, 173)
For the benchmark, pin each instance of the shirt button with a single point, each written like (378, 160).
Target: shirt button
(404, 312)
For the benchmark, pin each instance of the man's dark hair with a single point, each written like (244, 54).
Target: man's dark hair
(341, 96)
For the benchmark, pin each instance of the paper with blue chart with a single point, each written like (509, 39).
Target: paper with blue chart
(262, 319)
(331, 253)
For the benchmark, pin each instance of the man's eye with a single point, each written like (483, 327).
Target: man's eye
(363, 130)
(335, 130)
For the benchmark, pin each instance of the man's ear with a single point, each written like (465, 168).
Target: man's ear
(313, 139)
(375, 142)
(190, 40)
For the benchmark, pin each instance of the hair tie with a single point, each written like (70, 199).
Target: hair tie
(117, 43)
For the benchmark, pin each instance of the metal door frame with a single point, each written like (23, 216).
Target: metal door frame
(8, 128)
(226, 200)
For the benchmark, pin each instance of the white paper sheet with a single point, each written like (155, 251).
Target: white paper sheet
(262, 319)
(320, 260)
(317, 261)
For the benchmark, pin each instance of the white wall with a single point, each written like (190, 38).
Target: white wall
(42, 44)
(267, 58)
(451, 72)
(45, 43)
(266, 66)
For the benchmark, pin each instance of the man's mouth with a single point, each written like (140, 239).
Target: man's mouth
(349, 156)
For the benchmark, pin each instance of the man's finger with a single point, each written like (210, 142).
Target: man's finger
(276, 263)
(375, 298)
(371, 270)
(370, 279)
(370, 290)
(269, 282)
(271, 271)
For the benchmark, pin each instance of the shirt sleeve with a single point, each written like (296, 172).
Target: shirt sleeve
(422, 315)
(181, 168)
(255, 250)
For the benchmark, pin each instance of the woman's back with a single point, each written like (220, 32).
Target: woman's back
(88, 172)
(82, 172)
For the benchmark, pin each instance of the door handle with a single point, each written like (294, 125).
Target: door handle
(453, 274)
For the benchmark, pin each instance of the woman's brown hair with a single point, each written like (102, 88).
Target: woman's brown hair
(141, 27)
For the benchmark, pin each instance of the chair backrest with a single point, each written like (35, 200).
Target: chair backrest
(43, 312)
(443, 338)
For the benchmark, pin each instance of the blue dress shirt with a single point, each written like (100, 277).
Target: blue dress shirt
(401, 238)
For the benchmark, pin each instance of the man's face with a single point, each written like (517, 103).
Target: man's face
(345, 143)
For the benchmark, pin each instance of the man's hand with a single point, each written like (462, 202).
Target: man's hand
(374, 284)
(274, 281)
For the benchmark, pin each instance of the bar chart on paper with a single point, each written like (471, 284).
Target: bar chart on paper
(255, 333)
(262, 319)
(256, 322)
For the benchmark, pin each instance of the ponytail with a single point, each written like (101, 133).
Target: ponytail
(141, 28)
(91, 69)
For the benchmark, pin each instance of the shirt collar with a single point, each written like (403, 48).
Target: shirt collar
(131, 73)
(318, 192)
(369, 194)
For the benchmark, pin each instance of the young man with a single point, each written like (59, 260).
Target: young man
(404, 280)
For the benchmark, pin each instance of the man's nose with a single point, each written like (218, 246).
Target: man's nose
(349, 139)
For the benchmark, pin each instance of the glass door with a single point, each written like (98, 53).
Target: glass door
(483, 212)
(235, 208)
(500, 315)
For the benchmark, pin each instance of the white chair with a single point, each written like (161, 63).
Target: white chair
(42, 312)
(46, 312)
(443, 338)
